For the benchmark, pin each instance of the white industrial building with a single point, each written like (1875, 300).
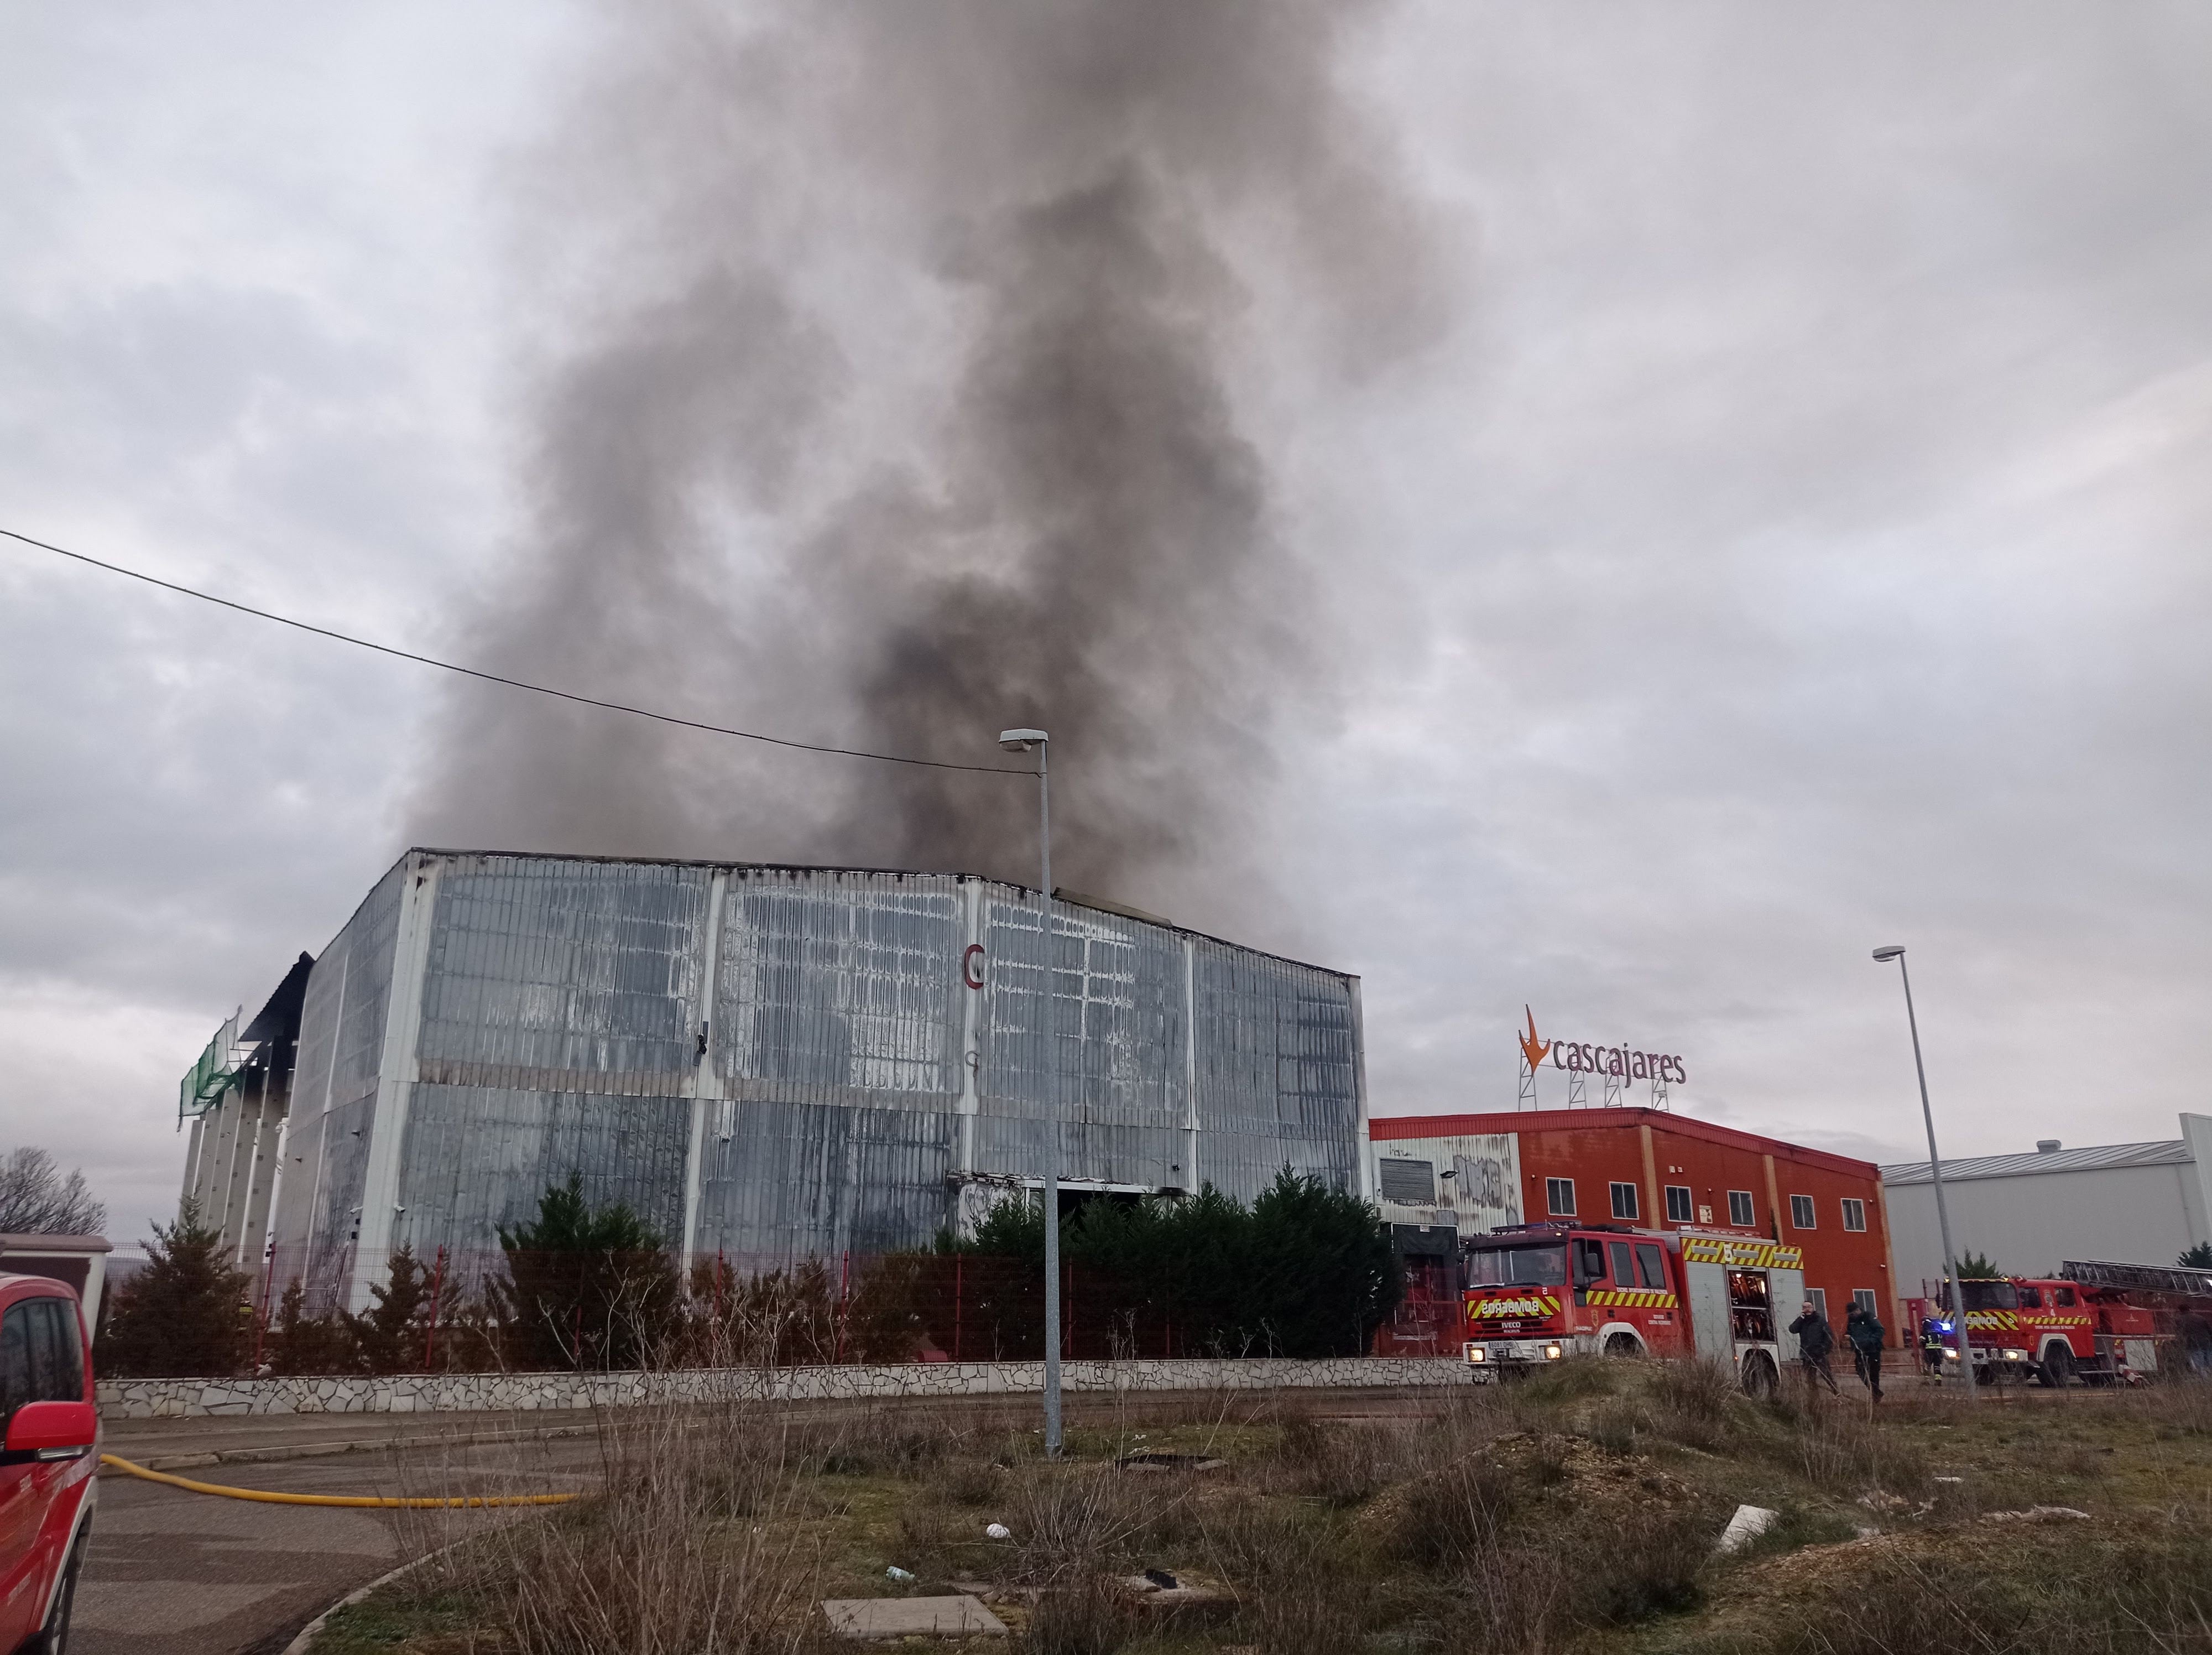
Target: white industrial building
(765, 1063)
(2141, 1203)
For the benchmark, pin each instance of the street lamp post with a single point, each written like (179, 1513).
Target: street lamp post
(1896, 952)
(1021, 741)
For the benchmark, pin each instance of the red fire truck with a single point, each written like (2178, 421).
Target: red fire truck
(2104, 1323)
(1538, 1292)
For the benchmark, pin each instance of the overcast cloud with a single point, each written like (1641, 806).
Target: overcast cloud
(1790, 536)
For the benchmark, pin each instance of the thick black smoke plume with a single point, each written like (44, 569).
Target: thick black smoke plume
(904, 410)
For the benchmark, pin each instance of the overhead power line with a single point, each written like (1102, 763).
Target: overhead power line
(497, 678)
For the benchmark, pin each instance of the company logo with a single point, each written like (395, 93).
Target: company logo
(1531, 1047)
(1583, 1057)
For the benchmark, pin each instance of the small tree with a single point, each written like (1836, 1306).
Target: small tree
(587, 1287)
(36, 1200)
(1976, 1266)
(1323, 1274)
(187, 1314)
(299, 1344)
(388, 1337)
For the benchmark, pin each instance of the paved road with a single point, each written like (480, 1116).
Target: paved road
(171, 1573)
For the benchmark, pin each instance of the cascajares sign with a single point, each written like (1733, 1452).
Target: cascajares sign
(1586, 1057)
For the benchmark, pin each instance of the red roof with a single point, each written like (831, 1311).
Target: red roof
(1384, 1127)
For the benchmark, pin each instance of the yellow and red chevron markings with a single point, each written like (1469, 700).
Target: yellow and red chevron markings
(1992, 1318)
(1642, 1298)
(1741, 1255)
(1489, 1310)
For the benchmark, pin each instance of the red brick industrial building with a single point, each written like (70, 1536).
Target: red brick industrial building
(1440, 1178)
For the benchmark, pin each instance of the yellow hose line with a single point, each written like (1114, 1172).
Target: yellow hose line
(427, 1503)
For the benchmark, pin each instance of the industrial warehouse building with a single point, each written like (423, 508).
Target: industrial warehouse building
(1440, 1178)
(766, 1062)
(2140, 1203)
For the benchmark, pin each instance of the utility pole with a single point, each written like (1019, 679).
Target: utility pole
(1021, 741)
(1896, 952)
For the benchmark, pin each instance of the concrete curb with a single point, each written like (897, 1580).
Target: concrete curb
(268, 1452)
(306, 1634)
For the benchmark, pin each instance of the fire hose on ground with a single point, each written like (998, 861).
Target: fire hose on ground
(412, 1503)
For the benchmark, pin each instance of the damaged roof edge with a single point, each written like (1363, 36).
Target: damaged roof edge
(1059, 893)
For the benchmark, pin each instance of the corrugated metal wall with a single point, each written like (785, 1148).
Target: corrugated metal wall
(334, 1080)
(1276, 1063)
(592, 1017)
(1098, 1032)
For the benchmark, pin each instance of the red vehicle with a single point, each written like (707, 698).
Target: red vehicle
(48, 1461)
(2105, 1323)
(1538, 1292)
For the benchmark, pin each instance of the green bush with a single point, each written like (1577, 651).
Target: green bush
(1303, 1271)
(187, 1314)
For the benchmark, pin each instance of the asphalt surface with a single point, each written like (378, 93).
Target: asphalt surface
(173, 1572)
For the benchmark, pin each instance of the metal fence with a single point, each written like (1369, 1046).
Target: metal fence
(500, 1310)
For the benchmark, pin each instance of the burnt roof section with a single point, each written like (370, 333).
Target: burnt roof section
(2169, 1152)
(279, 1019)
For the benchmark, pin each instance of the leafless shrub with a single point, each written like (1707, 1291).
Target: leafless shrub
(2142, 1590)
(1456, 1511)
(1618, 1427)
(967, 1482)
(1085, 1613)
(691, 1548)
(1843, 1450)
(1067, 1519)
(1339, 1464)
(2181, 1406)
(1691, 1400)
(1310, 1613)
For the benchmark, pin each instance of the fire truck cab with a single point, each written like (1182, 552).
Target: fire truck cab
(1539, 1292)
(2105, 1323)
(2002, 1346)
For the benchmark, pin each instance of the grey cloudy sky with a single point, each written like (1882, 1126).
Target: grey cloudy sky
(1788, 536)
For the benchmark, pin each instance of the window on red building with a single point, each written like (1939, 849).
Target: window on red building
(1800, 1212)
(1559, 1197)
(1854, 1214)
(1680, 1209)
(1741, 1213)
(1624, 1201)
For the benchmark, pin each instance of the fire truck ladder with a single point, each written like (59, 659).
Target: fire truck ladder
(2157, 1278)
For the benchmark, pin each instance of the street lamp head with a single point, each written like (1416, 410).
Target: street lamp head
(1021, 741)
(1895, 951)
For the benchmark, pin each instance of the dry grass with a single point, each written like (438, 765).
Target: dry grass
(1577, 1518)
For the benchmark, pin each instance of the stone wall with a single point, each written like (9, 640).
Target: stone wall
(443, 1393)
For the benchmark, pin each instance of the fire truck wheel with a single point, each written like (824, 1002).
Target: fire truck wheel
(2057, 1368)
(1759, 1378)
(1623, 1344)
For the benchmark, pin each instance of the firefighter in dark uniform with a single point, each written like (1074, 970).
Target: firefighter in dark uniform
(1814, 1341)
(1865, 1334)
(1931, 1345)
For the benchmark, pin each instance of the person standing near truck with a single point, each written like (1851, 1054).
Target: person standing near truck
(1814, 1341)
(1865, 1336)
(1931, 1345)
